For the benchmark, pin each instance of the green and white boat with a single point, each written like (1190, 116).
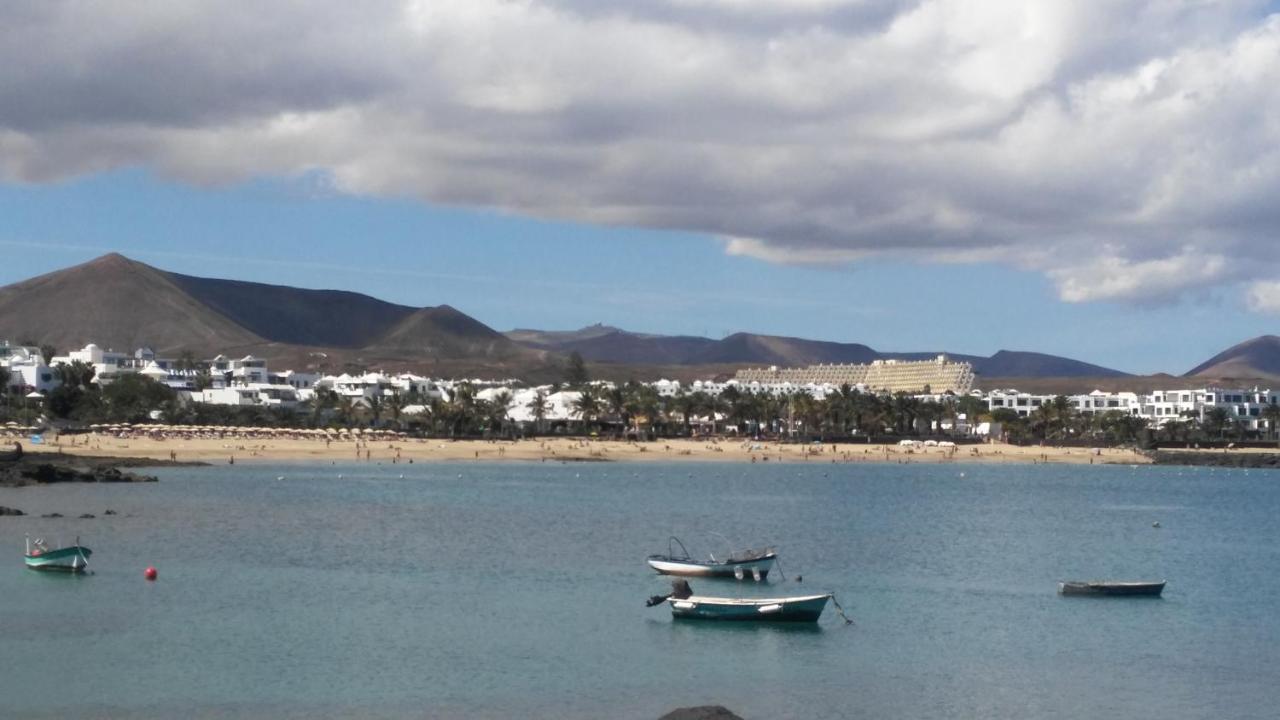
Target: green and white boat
(72, 558)
(687, 606)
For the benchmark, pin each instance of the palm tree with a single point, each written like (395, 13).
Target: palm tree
(346, 408)
(5, 375)
(1271, 413)
(395, 402)
(539, 407)
(497, 411)
(686, 404)
(615, 399)
(587, 406)
(1216, 420)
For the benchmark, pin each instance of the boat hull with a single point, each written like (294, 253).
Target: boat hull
(70, 559)
(1111, 589)
(806, 608)
(690, 568)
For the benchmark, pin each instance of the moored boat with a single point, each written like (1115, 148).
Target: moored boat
(800, 608)
(1110, 587)
(73, 558)
(797, 608)
(755, 563)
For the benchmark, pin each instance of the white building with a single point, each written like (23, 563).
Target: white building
(26, 368)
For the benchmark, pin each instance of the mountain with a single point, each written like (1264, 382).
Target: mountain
(1013, 363)
(118, 303)
(1258, 358)
(297, 316)
(601, 343)
(553, 338)
(123, 304)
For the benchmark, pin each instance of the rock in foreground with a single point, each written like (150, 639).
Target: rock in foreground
(46, 468)
(703, 712)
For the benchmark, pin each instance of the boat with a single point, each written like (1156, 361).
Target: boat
(1110, 587)
(72, 558)
(755, 563)
(687, 606)
(799, 608)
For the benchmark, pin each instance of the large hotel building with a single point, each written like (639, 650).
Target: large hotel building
(939, 375)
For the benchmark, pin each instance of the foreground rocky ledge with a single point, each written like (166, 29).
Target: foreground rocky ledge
(39, 468)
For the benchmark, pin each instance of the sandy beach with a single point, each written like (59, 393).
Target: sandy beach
(407, 450)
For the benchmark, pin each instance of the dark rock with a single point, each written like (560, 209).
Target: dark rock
(45, 468)
(704, 712)
(87, 516)
(10, 511)
(51, 515)
(109, 512)
(1219, 458)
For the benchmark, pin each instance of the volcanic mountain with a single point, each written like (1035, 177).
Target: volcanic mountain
(1258, 358)
(123, 304)
(601, 343)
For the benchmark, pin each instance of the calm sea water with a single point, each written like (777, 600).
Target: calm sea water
(495, 591)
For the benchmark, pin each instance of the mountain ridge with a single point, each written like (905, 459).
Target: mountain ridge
(603, 343)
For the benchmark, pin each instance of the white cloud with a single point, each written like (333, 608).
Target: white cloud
(1264, 297)
(1126, 148)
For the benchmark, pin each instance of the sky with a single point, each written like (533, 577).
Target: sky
(1095, 179)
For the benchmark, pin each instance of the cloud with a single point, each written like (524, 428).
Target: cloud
(1264, 297)
(1128, 149)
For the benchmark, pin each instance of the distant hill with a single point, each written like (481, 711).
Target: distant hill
(601, 343)
(118, 303)
(1258, 358)
(295, 315)
(124, 304)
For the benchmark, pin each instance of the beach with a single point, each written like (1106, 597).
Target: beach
(261, 448)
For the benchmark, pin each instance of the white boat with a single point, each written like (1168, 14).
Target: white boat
(754, 564)
(685, 605)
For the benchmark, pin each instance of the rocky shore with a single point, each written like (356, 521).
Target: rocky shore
(40, 468)
(1219, 458)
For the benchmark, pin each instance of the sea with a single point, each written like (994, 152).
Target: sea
(518, 591)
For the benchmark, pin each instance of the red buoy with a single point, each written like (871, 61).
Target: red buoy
(149, 573)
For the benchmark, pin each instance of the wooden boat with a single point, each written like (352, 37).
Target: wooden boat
(800, 608)
(73, 558)
(1110, 588)
(755, 564)
(685, 605)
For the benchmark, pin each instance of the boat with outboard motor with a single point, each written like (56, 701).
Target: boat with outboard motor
(753, 563)
(72, 558)
(687, 606)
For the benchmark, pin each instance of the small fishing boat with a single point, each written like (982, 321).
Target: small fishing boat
(687, 606)
(755, 564)
(1110, 587)
(73, 558)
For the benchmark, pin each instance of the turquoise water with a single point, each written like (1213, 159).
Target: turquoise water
(495, 591)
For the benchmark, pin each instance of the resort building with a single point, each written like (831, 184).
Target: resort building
(939, 375)
(26, 368)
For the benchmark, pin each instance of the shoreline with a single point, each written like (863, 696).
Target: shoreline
(143, 451)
